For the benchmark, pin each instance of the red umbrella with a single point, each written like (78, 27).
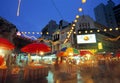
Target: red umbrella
(36, 48)
(6, 44)
(84, 52)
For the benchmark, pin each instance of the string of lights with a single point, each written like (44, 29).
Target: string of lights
(71, 30)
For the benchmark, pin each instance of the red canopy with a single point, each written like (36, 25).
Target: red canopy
(6, 44)
(36, 48)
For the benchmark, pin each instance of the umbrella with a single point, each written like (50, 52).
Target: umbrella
(72, 50)
(6, 44)
(84, 52)
(36, 48)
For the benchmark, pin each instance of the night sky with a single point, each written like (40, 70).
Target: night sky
(35, 14)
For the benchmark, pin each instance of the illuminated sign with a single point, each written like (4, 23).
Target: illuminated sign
(87, 38)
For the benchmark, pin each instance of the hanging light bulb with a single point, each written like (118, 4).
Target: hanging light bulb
(91, 31)
(73, 25)
(72, 28)
(67, 32)
(75, 20)
(79, 32)
(83, 1)
(33, 32)
(98, 30)
(116, 28)
(37, 32)
(19, 33)
(110, 29)
(25, 32)
(80, 9)
(74, 32)
(28, 32)
(86, 31)
(41, 33)
(105, 30)
(47, 33)
(77, 16)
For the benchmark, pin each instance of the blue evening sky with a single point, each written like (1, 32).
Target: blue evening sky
(35, 14)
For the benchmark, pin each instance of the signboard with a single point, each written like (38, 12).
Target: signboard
(87, 38)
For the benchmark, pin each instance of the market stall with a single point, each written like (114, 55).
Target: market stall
(35, 70)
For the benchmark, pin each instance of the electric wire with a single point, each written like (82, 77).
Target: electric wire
(57, 9)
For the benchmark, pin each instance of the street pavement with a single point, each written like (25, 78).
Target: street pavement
(86, 78)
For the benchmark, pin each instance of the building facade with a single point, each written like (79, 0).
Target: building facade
(49, 29)
(59, 36)
(7, 29)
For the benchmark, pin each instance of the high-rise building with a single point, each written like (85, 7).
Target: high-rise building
(49, 29)
(116, 10)
(104, 14)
